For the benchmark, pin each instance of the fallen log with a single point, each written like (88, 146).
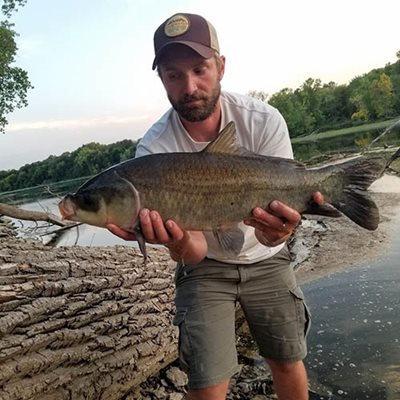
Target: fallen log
(82, 323)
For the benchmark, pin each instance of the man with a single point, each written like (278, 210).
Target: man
(208, 281)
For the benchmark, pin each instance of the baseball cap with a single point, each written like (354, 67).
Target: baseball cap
(191, 30)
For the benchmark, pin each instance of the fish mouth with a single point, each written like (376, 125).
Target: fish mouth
(67, 208)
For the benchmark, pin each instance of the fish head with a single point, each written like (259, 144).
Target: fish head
(67, 207)
(84, 206)
(103, 201)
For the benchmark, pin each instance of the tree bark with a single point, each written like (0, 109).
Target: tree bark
(82, 323)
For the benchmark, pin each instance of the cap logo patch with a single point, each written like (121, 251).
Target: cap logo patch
(176, 25)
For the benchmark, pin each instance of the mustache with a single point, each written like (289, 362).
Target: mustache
(189, 98)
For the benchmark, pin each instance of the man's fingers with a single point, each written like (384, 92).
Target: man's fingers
(156, 231)
(284, 218)
(318, 198)
(161, 235)
(283, 211)
(116, 230)
(274, 226)
(146, 225)
(174, 230)
(153, 229)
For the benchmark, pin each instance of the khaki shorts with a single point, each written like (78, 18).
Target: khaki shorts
(206, 297)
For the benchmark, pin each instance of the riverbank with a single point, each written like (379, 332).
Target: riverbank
(323, 246)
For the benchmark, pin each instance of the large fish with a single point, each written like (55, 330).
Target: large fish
(219, 186)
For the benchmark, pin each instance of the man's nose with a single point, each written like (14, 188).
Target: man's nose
(190, 85)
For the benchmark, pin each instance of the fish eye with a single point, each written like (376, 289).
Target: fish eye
(88, 201)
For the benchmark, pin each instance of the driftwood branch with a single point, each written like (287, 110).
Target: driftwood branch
(26, 215)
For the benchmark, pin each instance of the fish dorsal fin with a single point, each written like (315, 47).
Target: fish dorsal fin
(226, 142)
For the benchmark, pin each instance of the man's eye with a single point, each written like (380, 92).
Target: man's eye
(199, 71)
(172, 76)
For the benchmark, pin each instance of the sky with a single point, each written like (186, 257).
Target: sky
(90, 60)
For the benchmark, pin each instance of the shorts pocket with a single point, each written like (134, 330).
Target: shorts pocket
(183, 340)
(179, 317)
(303, 313)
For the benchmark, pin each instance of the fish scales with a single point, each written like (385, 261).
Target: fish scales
(201, 190)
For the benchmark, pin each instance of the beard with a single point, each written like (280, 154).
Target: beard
(199, 111)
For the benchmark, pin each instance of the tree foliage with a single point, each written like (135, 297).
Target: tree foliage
(14, 82)
(9, 6)
(315, 106)
(88, 159)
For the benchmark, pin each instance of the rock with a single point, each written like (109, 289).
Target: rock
(176, 396)
(177, 377)
(160, 393)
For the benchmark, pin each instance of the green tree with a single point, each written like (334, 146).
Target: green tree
(295, 112)
(382, 96)
(374, 96)
(309, 96)
(88, 159)
(334, 104)
(396, 90)
(14, 82)
(9, 6)
(361, 113)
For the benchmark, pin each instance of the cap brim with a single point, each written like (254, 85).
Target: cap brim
(203, 51)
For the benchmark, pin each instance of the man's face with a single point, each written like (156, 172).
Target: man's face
(192, 82)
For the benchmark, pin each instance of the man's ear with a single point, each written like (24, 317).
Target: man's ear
(222, 67)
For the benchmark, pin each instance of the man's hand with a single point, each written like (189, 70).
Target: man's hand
(187, 246)
(275, 227)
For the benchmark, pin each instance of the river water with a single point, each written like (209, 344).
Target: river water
(354, 343)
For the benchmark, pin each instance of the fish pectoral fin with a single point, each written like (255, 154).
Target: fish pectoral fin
(231, 240)
(325, 209)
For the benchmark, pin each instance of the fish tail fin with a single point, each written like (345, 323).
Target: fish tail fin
(356, 203)
(360, 208)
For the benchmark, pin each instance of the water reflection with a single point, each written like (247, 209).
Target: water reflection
(354, 345)
(351, 143)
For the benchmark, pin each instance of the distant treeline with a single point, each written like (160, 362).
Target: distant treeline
(88, 159)
(318, 107)
(313, 107)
